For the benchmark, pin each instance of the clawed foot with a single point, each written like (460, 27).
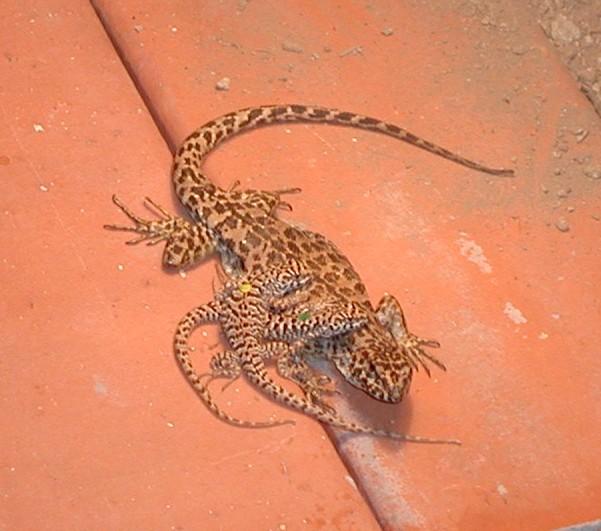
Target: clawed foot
(391, 316)
(186, 242)
(314, 389)
(151, 231)
(223, 365)
(267, 200)
(413, 347)
(284, 204)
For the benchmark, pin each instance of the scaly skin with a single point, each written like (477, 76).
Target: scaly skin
(380, 357)
(253, 309)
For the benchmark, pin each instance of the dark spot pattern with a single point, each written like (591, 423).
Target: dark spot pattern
(344, 116)
(368, 121)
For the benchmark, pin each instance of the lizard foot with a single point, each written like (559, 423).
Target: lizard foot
(413, 347)
(151, 231)
(186, 242)
(265, 200)
(315, 387)
(391, 316)
(292, 367)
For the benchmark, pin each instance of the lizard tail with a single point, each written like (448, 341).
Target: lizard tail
(255, 371)
(189, 157)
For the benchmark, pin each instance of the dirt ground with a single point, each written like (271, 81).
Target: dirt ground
(574, 26)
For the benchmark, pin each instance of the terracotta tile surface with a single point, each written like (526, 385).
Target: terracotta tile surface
(102, 430)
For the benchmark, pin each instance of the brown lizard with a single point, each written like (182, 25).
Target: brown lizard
(251, 311)
(378, 358)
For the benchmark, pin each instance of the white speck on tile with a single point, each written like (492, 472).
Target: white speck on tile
(170, 424)
(350, 481)
(223, 84)
(38, 128)
(502, 489)
(120, 267)
(100, 387)
(182, 273)
(43, 188)
(555, 316)
(474, 253)
(543, 335)
(514, 314)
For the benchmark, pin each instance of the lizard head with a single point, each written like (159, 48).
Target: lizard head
(381, 371)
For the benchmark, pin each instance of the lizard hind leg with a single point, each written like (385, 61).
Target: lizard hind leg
(225, 364)
(186, 242)
(390, 315)
(207, 313)
(293, 367)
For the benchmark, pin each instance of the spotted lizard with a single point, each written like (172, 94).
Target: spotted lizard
(252, 311)
(380, 357)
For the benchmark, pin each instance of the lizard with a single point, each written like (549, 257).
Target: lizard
(240, 226)
(252, 310)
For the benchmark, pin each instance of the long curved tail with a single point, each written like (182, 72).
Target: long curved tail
(254, 370)
(188, 159)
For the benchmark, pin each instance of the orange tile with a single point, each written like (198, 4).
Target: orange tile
(99, 429)
(477, 261)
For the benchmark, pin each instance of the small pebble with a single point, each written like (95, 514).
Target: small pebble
(387, 32)
(289, 46)
(563, 193)
(355, 50)
(580, 134)
(223, 84)
(562, 225)
(593, 173)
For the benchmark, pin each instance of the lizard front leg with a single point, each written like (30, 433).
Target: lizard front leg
(390, 315)
(186, 242)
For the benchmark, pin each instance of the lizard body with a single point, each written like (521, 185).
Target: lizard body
(252, 310)
(379, 358)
